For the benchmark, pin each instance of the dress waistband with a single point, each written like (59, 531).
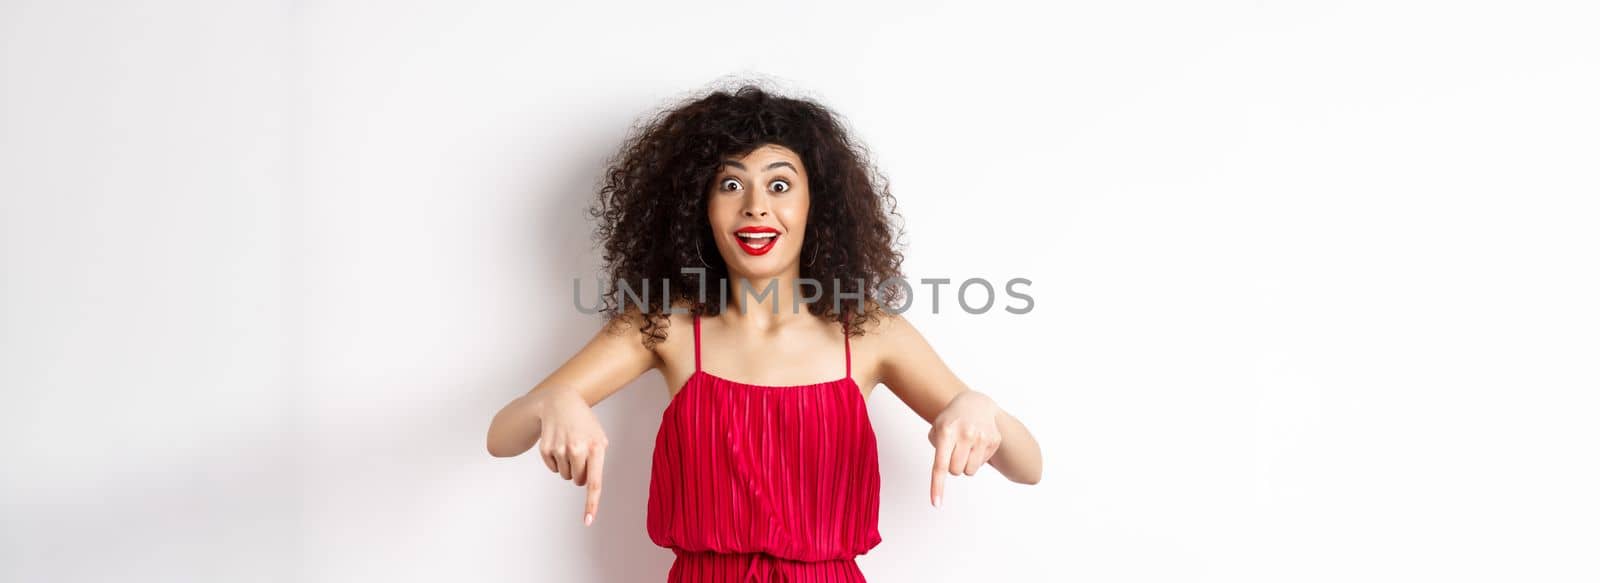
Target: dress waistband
(698, 566)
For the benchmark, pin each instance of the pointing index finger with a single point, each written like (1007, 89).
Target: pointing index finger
(592, 505)
(941, 466)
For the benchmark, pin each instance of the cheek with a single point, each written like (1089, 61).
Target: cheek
(795, 214)
(721, 215)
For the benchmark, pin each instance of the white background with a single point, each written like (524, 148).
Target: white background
(1315, 283)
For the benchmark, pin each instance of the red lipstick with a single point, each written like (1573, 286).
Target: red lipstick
(756, 240)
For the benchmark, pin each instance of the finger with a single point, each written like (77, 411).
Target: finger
(958, 457)
(564, 462)
(549, 457)
(580, 462)
(941, 465)
(981, 456)
(592, 505)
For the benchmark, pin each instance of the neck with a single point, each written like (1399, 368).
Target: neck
(767, 300)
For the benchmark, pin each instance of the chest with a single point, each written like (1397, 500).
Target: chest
(756, 429)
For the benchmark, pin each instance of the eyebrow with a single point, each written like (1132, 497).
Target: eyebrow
(736, 164)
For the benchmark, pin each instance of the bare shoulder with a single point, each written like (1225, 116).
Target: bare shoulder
(885, 326)
(663, 335)
(670, 338)
(626, 329)
(884, 341)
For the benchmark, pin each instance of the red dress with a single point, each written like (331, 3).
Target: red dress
(764, 483)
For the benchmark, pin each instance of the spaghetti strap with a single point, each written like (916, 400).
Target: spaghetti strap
(697, 342)
(846, 349)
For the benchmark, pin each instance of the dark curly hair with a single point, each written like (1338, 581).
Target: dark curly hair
(652, 200)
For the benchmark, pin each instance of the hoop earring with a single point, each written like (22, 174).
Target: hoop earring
(813, 260)
(697, 254)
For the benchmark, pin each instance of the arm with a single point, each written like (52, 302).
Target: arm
(558, 412)
(613, 357)
(916, 374)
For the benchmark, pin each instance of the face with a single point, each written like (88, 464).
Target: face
(758, 206)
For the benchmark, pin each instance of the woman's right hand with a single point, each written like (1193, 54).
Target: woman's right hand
(571, 442)
(558, 415)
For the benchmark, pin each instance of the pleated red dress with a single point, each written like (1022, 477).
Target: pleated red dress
(764, 483)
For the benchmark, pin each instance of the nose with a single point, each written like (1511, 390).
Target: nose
(755, 206)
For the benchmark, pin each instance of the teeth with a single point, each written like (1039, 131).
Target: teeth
(758, 235)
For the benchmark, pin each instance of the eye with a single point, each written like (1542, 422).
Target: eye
(727, 181)
(783, 183)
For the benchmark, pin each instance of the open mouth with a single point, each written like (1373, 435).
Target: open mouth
(756, 240)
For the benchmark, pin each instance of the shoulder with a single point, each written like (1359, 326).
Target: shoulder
(631, 324)
(655, 332)
(889, 340)
(884, 324)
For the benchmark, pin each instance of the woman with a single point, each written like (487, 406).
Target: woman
(767, 202)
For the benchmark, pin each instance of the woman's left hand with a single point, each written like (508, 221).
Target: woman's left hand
(964, 436)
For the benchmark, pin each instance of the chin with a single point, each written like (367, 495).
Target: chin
(759, 267)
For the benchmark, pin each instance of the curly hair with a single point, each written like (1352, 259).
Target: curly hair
(651, 208)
